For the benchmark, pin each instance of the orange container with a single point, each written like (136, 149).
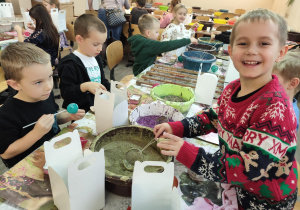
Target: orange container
(231, 22)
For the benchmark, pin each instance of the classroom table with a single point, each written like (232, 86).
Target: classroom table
(27, 186)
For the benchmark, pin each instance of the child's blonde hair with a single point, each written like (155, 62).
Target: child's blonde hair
(51, 2)
(17, 56)
(176, 8)
(146, 22)
(289, 67)
(262, 14)
(85, 23)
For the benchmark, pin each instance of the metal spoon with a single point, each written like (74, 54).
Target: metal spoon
(135, 154)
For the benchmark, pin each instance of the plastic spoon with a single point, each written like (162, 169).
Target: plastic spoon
(71, 108)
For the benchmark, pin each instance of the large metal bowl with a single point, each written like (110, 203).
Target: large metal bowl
(120, 184)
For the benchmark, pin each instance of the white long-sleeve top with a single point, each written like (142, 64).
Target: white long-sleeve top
(173, 32)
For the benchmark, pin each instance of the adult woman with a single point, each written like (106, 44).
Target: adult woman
(112, 32)
(111, 4)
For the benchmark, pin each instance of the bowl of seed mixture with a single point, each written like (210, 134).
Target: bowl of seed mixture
(176, 96)
(116, 142)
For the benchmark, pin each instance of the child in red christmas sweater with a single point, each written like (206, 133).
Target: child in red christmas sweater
(254, 119)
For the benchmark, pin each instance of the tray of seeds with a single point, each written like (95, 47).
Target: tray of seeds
(164, 74)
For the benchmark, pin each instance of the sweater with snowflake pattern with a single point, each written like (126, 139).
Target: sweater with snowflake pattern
(257, 143)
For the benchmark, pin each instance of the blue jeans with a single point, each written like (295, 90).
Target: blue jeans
(116, 32)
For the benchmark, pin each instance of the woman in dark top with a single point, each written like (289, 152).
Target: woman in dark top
(45, 35)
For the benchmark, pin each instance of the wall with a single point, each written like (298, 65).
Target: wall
(231, 5)
(291, 14)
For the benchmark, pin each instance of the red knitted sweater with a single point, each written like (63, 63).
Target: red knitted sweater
(257, 144)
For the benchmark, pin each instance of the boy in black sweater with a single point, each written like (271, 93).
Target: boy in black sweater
(145, 47)
(28, 70)
(138, 11)
(81, 72)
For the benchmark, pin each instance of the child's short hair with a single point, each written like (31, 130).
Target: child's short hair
(146, 22)
(178, 7)
(85, 23)
(289, 67)
(17, 56)
(51, 2)
(141, 3)
(263, 14)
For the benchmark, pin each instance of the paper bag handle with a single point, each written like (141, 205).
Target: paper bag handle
(87, 159)
(70, 135)
(154, 163)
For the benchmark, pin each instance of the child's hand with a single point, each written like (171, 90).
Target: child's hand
(212, 37)
(43, 125)
(196, 25)
(18, 28)
(172, 146)
(194, 41)
(79, 115)
(30, 26)
(91, 87)
(159, 129)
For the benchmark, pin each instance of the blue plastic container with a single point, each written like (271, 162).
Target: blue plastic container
(224, 10)
(193, 59)
(206, 40)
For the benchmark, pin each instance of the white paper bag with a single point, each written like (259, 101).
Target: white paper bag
(77, 182)
(59, 19)
(205, 88)
(6, 10)
(154, 190)
(111, 108)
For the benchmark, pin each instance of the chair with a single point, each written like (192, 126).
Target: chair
(226, 15)
(126, 79)
(224, 28)
(93, 12)
(114, 55)
(70, 34)
(206, 18)
(3, 84)
(159, 12)
(55, 71)
(161, 30)
(240, 11)
(129, 30)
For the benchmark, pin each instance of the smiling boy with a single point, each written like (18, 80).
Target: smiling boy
(81, 72)
(256, 123)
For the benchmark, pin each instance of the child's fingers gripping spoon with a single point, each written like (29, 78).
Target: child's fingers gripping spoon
(71, 108)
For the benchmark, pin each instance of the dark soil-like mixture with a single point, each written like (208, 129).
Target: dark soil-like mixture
(173, 98)
(115, 152)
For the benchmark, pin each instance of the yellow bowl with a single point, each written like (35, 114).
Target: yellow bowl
(218, 13)
(199, 27)
(220, 21)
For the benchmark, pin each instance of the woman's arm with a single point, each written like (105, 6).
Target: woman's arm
(126, 4)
